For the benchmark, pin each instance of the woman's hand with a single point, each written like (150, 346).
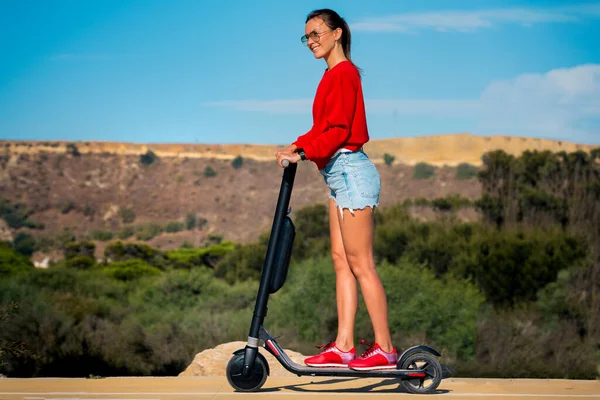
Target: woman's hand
(287, 155)
(291, 148)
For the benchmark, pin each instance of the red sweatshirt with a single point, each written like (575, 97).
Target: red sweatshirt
(339, 118)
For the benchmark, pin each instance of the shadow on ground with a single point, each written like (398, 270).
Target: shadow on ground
(374, 388)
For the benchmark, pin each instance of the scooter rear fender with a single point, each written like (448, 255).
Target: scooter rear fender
(416, 349)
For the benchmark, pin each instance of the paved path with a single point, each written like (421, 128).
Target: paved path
(191, 388)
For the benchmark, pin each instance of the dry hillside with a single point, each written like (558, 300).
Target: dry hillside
(87, 186)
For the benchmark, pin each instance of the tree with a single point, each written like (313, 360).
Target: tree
(388, 159)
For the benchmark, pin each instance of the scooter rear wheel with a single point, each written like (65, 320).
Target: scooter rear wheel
(430, 364)
(257, 377)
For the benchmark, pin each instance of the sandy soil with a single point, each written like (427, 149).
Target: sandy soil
(289, 389)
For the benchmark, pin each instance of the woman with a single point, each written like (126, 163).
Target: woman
(334, 144)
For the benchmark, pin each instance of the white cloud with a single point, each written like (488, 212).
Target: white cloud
(560, 104)
(469, 21)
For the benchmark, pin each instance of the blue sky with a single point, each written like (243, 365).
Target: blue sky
(235, 71)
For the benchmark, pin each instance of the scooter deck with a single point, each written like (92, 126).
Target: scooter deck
(273, 347)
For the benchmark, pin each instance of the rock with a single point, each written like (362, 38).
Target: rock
(42, 264)
(6, 233)
(213, 362)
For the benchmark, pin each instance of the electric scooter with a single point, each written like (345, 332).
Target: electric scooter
(418, 367)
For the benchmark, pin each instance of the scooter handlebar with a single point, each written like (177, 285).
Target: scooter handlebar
(285, 163)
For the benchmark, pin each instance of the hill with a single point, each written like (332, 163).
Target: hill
(200, 192)
(437, 150)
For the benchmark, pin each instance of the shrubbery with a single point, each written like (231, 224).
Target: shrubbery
(102, 236)
(17, 215)
(148, 231)
(209, 172)
(24, 243)
(423, 171)
(466, 171)
(130, 270)
(148, 158)
(127, 215)
(174, 226)
(12, 262)
(388, 159)
(509, 297)
(237, 162)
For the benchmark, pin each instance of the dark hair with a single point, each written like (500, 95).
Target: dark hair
(334, 21)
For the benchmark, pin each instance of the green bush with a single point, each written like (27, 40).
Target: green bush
(14, 348)
(45, 243)
(174, 227)
(76, 249)
(466, 171)
(244, 263)
(209, 172)
(102, 236)
(127, 215)
(11, 262)
(126, 232)
(312, 232)
(442, 204)
(67, 207)
(24, 244)
(148, 158)
(73, 150)
(201, 222)
(196, 257)
(423, 171)
(148, 231)
(237, 162)
(512, 267)
(388, 159)
(16, 215)
(213, 238)
(193, 221)
(190, 221)
(80, 262)
(130, 270)
(119, 251)
(148, 325)
(451, 202)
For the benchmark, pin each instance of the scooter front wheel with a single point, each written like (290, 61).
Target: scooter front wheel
(433, 370)
(257, 377)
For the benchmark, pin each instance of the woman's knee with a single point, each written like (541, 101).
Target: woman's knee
(361, 264)
(339, 260)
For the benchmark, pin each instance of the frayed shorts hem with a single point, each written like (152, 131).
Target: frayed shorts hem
(341, 208)
(353, 181)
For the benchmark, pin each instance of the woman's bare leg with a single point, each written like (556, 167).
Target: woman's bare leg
(345, 284)
(357, 235)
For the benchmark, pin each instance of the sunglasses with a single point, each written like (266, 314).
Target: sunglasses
(314, 35)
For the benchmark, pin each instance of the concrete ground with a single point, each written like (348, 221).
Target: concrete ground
(191, 388)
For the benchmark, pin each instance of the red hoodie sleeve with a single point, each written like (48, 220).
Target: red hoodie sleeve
(338, 114)
(303, 138)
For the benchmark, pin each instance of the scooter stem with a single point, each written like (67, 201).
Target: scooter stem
(260, 309)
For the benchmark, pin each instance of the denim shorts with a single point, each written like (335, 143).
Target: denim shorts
(353, 181)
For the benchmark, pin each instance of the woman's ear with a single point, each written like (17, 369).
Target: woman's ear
(337, 33)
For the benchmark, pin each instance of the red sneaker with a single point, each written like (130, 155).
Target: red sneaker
(331, 356)
(375, 358)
